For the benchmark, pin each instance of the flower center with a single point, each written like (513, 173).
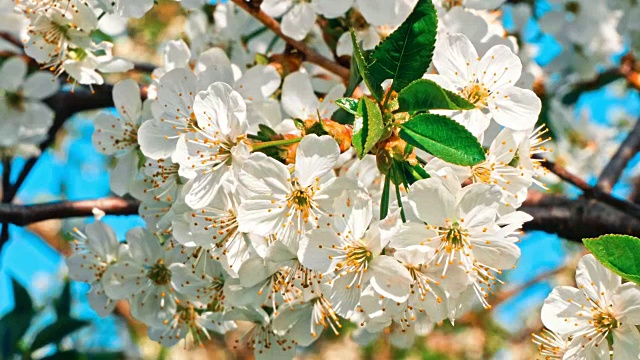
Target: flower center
(449, 4)
(481, 173)
(159, 273)
(604, 321)
(455, 238)
(572, 7)
(301, 199)
(15, 100)
(477, 94)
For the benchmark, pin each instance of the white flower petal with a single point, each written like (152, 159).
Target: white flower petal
(389, 278)
(595, 280)
(515, 108)
(40, 85)
(298, 99)
(315, 157)
(126, 98)
(432, 202)
(297, 23)
(455, 59)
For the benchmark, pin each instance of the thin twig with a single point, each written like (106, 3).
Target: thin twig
(593, 192)
(310, 54)
(6, 185)
(22, 215)
(627, 150)
(508, 294)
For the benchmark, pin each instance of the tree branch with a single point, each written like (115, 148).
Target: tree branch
(23, 215)
(627, 150)
(591, 192)
(310, 54)
(575, 219)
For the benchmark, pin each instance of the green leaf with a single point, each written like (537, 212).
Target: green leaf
(406, 54)
(55, 332)
(63, 303)
(443, 138)
(363, 69)
(64, 355)
(15, 324)
(348, 104)
(343, 117)
(384, 200)
(413, 173)
(423, 95)
(354, 77)
(368, 127)
(620, 253)
(21, 299)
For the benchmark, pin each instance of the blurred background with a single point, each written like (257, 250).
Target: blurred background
(73, 170)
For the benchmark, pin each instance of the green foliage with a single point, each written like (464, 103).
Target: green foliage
(411, 173)
(354, 75)
(57, 331)
(406, 54)
(63, 303)
(443, 138)
(424, 95)
(384, 200)
(368, 128)
(364, 71)
(620, 253)
(348, 104)
(15, 324)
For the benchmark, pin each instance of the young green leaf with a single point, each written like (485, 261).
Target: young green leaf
(406, 54)
(384, 200)
(423, 95)
(63, 303)
(55, 332)
(15, 324)
(368, 127)
(412, 173)
(363, 69)
(348, 104)
(620, 253)
(354, 77)
(443, 138)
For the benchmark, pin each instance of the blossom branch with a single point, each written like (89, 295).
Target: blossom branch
(573, 219)
(310, 54)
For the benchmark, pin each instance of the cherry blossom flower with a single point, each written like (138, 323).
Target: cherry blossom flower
(601, 305)
(487, 82)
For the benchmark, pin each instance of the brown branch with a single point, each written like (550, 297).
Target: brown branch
(575, 219)
(627, 150)
(510, 293)
(22, 215)
(592, 192)
(310, 54)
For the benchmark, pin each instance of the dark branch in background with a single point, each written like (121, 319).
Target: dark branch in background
(593, 192)
(23, 215)
(626, 70)
(575, 219)
(65, 105)
(310, 55)
(627, 150)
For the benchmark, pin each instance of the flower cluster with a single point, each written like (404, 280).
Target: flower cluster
(265, 181)
(580, 321)
(258, 210)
